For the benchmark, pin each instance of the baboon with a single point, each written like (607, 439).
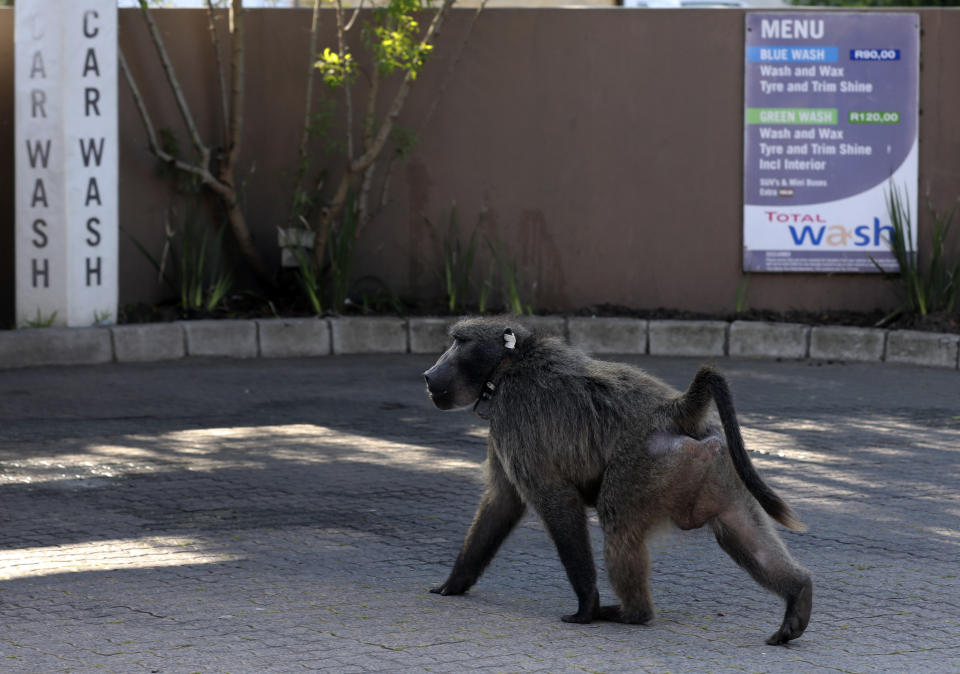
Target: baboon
(568, 431)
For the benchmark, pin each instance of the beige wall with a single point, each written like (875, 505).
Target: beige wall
(605, 143)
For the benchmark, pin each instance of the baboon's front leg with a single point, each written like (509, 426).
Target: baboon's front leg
(499, 511)
(563, 514)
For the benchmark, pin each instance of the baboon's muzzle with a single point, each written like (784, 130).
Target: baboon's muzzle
(438, 388)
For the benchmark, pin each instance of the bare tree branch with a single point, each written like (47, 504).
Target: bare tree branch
(205, 176)
(220, 79)
(363, 210)
(370, 120)
(356, 13)
(369, 126)
(311, 69)
(221, 185)
(138, 99)
(237, 80)
(370, 154)
(448, 77)
(347, 88)
(454, 62)
(174, 84)
(303, 163)
(357, 168)
(385, 186)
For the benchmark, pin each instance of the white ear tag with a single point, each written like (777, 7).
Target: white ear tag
(509, 339)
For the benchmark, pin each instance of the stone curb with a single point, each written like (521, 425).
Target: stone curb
(428, 335)
(849, 344)
(146, 342)
(228, 338)
(294, 337)
(688, 338)
(306, 337)
(55, 346)
(922, 348)
(608, 335)
(758, 339)
(351, 335)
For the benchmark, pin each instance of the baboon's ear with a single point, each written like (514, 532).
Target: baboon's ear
(509, 339)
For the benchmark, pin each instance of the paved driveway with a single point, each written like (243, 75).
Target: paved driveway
(279, 516)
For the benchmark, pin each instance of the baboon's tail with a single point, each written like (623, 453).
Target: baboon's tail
(708, 383)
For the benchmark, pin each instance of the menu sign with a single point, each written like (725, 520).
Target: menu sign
(831, 106)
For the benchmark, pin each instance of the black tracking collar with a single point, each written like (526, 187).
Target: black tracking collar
(482, 407)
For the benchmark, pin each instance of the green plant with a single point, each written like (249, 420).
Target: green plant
(212, 163)
(457, 260)
(342, 248)
(943, 274)
(876, 3)
(42, 321)
(405, 141)
(376, 296)
(335, 275)
(202, 287)
(306, 197)
(336, 69)
(199, 277)
(511, 280)
(927, 289)
(102, 317)
(398, 47)
(397, 43)
(309, 279)
(485, 290)
(741, 297)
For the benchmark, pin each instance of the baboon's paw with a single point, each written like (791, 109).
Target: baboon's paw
(611, 613)
(450, 587)
(782, 636)
(797, 616)
(615, 613)
(794, 623)
(578, 618)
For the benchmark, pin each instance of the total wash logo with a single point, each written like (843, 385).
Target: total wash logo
(812, 229)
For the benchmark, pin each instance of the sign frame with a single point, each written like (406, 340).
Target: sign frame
(830, 128)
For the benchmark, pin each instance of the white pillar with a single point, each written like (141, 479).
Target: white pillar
(66, 161)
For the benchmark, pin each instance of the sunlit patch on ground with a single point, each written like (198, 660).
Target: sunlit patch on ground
(212, 449)
(108, 555)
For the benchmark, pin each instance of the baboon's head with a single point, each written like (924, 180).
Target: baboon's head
(479, 346)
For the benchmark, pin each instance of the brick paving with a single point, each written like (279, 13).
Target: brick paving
(290, 515)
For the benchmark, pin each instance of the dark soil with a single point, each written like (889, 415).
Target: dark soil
(250, 305)
(939, 322)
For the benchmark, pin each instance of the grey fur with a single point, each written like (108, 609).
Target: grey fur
(568, 431)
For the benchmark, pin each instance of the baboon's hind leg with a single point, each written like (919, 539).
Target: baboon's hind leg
(628, 567)
(747, 535)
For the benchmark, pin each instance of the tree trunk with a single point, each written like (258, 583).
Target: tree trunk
(222, 185)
